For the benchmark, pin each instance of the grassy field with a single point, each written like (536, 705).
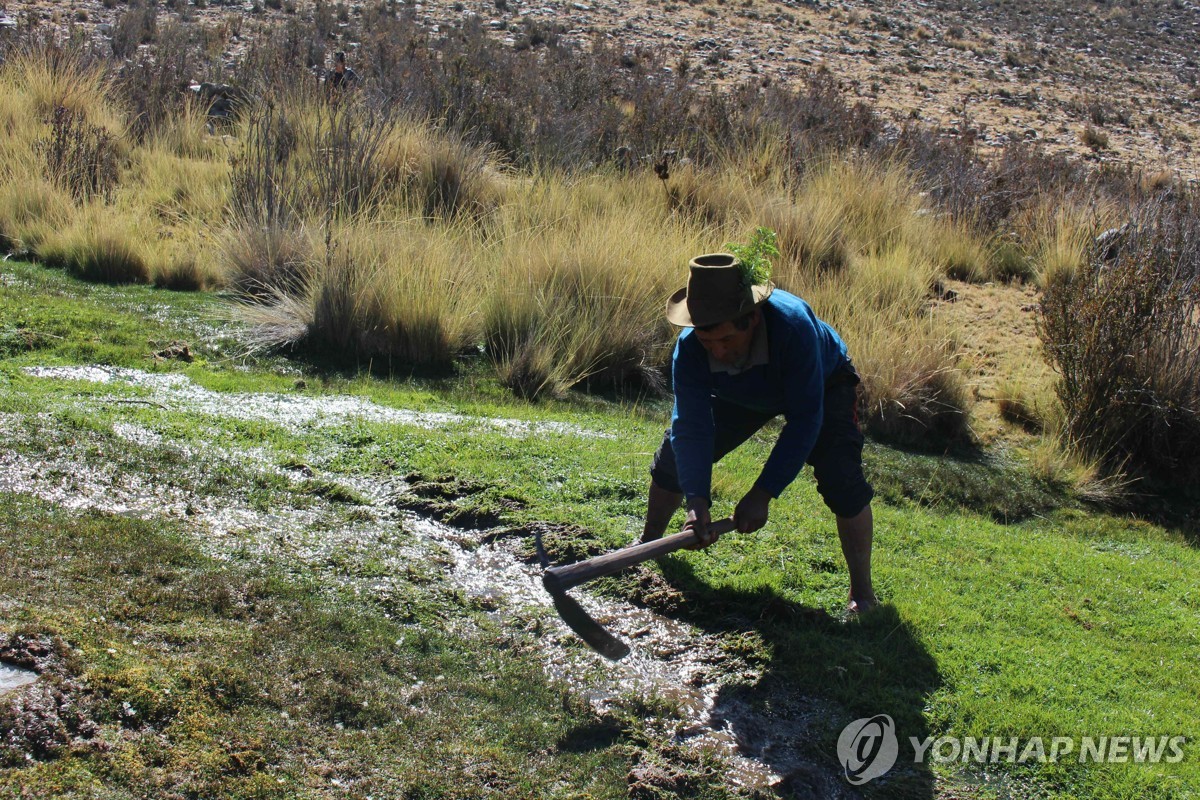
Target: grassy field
(214, 565)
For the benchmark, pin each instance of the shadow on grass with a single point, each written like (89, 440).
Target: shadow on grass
(973, 481)
(1177, 510)
(818, 675)
(991, 484)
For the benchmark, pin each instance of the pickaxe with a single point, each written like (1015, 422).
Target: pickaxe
(558, 580)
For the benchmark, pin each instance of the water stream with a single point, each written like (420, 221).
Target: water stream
(670, 660)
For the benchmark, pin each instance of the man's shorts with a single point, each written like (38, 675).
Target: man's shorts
(836, 457)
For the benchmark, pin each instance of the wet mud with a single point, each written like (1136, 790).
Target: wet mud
(49, 709)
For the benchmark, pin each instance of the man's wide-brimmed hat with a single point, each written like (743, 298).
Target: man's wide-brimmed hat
(716, 292)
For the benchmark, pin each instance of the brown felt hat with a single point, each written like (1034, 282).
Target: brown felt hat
(715, 293)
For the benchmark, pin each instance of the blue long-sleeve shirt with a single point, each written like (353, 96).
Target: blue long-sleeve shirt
(803, 352)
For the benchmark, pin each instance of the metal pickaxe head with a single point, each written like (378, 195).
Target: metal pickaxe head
(577, 619)
(558, 580)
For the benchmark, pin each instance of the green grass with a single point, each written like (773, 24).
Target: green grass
(1011, 609)
(233, 680)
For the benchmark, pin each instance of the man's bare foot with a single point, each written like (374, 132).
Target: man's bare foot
(861, 605)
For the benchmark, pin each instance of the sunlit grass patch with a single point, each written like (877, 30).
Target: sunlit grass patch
(100, 244)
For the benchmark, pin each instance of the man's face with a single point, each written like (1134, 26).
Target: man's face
(726, 344)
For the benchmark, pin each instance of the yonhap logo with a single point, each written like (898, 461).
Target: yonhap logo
(868, 748)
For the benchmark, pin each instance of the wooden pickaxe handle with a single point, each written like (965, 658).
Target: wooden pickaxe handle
(562, 578)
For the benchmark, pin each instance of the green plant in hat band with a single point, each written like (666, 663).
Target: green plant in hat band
(754, 257)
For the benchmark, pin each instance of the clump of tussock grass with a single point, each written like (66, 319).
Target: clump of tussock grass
(835, 210)
(100, 245)
(1059, 461)
(579, 299)
(311, 156)
(914, 393)
(877, 203)
(1019, 405)
(267, 261)
(895, 280)
(179, 191)
(1009, 260)
(960, 253)
(49, 77)
(186, 264)
(183, 132)
(61, 121)
(397, 291)
(438, 175)
(1060, 236)
(31, 208)
(184, 273)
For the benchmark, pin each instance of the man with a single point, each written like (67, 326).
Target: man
(342, 76)
(748, 354)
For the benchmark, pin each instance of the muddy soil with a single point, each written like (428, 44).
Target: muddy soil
(45, 707)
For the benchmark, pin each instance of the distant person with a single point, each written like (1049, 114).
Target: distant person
(341, 77)
(749, 353)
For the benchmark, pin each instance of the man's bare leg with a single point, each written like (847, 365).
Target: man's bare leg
(660, 507)
(856, 534)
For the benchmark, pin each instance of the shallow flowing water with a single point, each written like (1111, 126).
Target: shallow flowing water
(13, 677)
(705, 686)
(295, 412)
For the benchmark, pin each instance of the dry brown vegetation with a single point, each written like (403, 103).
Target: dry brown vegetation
(535, 204)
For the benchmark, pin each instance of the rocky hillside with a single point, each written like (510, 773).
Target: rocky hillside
(1110, 81)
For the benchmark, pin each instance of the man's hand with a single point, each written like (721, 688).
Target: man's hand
(751, 512)
(698, 521)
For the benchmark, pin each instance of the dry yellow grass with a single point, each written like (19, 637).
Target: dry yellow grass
(45, 78)
(995, 327)
(1060, 233)
(561, 278)
(100, 244)
(31, 208)
(576, 282)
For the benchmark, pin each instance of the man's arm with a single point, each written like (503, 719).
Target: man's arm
(804, 397)
(692, 429)
(692, 434)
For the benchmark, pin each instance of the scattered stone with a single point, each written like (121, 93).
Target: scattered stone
(1109, 243)
(223, 100)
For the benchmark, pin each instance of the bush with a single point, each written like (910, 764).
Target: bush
(80, 157)
(153, 85)
(1124, 336)
(135, 26)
